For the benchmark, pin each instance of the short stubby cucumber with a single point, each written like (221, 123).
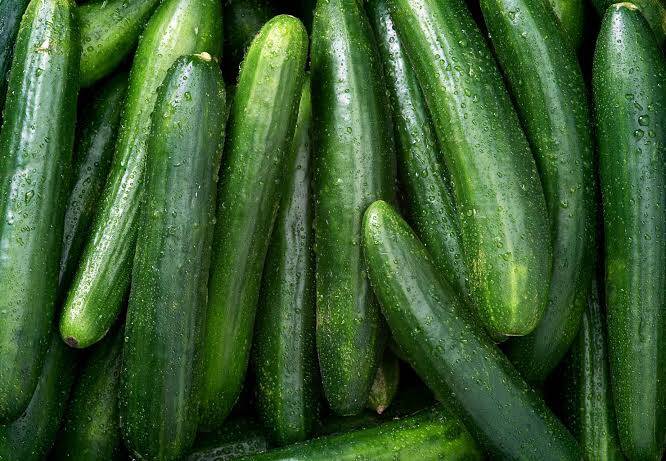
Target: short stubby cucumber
(178, 27)
(35, 156)
(261, 129)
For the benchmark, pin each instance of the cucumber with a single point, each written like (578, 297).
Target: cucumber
(11, 12)
(385, 385)
(571, 17)
(90, 429)
(429, 435)
(654, 12)
(109, 32)
(242, 20)
(449, 350)
(284, 345)
(161, 371)
(500, 202)
(96, 138)
(424, 182)
(630, 97)
(30, 437)
(235, 439)
(102, 280)
(35, 153)
(544, 77)
(354, 165)
(262, 122)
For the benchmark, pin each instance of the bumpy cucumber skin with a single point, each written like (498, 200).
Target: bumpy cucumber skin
(11, 12)
(242, 20)
(161, 370)
(498, 194)
(654, 12)
(544, 77)
(35, 153)
(284, 344)
(571, 16)
(423, 179)
(385, 385)
(430, 435)
(90, 428)
(109, 31)
(354, 165)
(236, 438)
(30, 437)
(630, 103)
(95, 143)
(101, 283)
(449, 350)
(261, 129)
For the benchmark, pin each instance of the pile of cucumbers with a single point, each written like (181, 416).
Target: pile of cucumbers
(332, 230)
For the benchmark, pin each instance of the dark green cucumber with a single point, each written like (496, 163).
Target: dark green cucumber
(503, 218)
(449, 350)
(261, 128)
(35, 155)
(90, 429)
(30, 437)
(11, 12)
(109, 32)
(284, 345)
(354, 165)
(544, 77)
(233, 440)
(654, 12)
(571, 17)
(101, 283)
(161, 371)
(427, 196)
(429, 435)
(242, 20)
(630, 102)
(96, 139)
(385, 385)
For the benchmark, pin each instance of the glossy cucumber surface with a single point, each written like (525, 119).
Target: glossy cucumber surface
(654, 12)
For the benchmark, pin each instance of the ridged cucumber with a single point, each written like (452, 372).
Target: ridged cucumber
(284, 345)
(654, 12)
(261, 129)
(235, 439)
(102, 280)
(242, 20)
(571, 17)
(354, 165)
(630, 102)
(161, 371)
(11, 12)
(385, 385)
(500, 202)
(35, 155)
(449, 350)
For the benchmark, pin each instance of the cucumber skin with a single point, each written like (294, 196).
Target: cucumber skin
(544, 76)
(242, 21)
(284, 344)
(628, 76)
(30, 437)
(11, 12)
(354, 165)
(449, 350)
(35, 153)
(385, 385)
(95, 142)
(161, 370)
(571, 18)
(102, 281)
(654, 12)
(422, 176)
(109, 31)
(497, 190)
(430, 435)
(261, 128)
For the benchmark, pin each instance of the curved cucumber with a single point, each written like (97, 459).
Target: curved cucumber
(422, 177)
(242, 20)
(11, 12)
(571, 17)
(161, 371)
(284, 346)
(109, 32)
(498, 195)
(261, 129)
(385, 385)
(95, 142)
(630, 103)
(451, 353)
(35, 153)
(102, 280)
(544, 77)
(354, 165)
(654, 12)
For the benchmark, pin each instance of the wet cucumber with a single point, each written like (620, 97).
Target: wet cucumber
(284, 346)
(500, 201)
(242, 20)
(102, 280)
(630, 103)
(109, 31)
(354, 165)
(385, 385)
(11, 12)
(654, 12)
(261, 129)
(35, 155)
(449, 350)
(161, 370)
(571, 17)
